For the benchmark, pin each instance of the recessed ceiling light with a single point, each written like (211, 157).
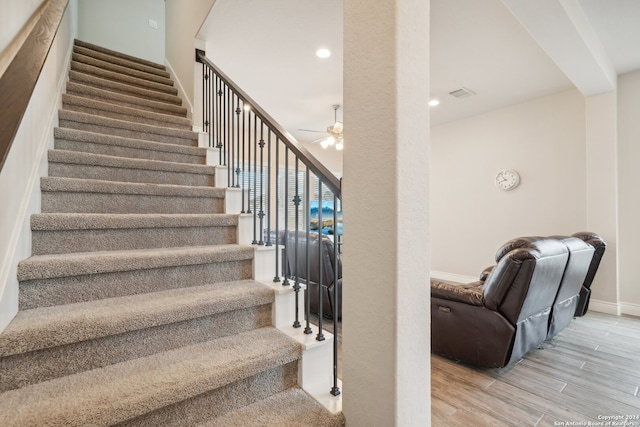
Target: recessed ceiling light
(323, 53)
(434, 102)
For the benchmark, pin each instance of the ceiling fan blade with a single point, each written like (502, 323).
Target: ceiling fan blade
(309, 130)
(318, 140)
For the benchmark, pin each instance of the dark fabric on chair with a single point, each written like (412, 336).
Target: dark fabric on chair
(323, 248)
(599, 247)
(564, 306)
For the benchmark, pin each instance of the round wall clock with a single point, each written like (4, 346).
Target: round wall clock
(507, 179)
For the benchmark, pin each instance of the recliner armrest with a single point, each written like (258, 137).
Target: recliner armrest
(470, 293)
(485, 273)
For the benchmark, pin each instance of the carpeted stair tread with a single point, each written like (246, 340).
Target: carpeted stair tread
(88, 221)
(76, 185)
(114, 86)
(114, 111)
(290, 408)
(47, 327)
(126, 129)
(118, 54)
(142, 103)
(119, 392)
(123, 78)
(57, 233)
(40, 267)
(99, 143)
(76, 157)
(120, 61)
(121, 69)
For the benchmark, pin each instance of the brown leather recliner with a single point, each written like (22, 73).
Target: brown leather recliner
(564, 306)
(585, 292)
(497, 321)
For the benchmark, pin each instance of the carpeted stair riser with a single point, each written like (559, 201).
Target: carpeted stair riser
(120, 61)
(120, 55)
(58, 233)
(120, 69)
(290, 408)
(42, 365)
(121, 88)
(107, 329)
(124, 129)
(103, 109)
(72, 164)
(48, 281)
(97, 143)
(123, 79)
(204, 407)
(115, 98)
(130, 389)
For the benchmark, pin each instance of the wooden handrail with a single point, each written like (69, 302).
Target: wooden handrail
(19, 80)
(326, 176)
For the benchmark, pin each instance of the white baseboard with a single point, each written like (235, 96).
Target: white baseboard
(452, 277)
(605, 307)
(630, 308)
(181, 92)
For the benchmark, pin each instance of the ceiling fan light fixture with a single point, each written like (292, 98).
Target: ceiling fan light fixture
(434, 102)
(339, 145)
(324, 143)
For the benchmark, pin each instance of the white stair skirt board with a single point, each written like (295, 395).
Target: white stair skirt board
(213, 157)
(245, 229)
(315, 371)
(264, 261)
(630, 309)
(221, 179)
(232, 199)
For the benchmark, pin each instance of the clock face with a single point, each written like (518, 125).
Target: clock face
(507, 179)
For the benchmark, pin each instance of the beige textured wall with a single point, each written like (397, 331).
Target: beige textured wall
(386, 257)
(602, 196)
(543, 140)
(123, 25)
(183, 21)
(629, 195)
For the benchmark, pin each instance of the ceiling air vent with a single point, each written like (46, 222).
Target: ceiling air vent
(463, 92)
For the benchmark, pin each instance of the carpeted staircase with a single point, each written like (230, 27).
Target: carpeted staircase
(138, 306)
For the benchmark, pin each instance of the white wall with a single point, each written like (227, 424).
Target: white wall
(543, 140)
(27, 161)
(14, 16)
(183, 20)
(123, 25)
(628, 193)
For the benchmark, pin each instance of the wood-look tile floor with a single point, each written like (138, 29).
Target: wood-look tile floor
(588, 372)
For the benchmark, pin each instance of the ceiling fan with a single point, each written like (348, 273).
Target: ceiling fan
(334, 132)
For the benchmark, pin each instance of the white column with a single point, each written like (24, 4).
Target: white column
(602, 196)
(386, 318)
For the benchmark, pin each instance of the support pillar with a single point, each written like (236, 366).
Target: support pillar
(386, 321)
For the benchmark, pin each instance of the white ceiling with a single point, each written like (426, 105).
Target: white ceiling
(506, 51)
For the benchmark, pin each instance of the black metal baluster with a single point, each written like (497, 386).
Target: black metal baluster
(232, 143)
(205, 78)
(307, 302)
(229, 133)
(285, 241)
(255, 177)
(335, 390)
(219, 145)
(268, 243)
(243, 162)
(261, 214)
(320, 336)
(212, 112)
(276, 278)
(237, 169)
(249, 165)
(296, 284)
(226, 126)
